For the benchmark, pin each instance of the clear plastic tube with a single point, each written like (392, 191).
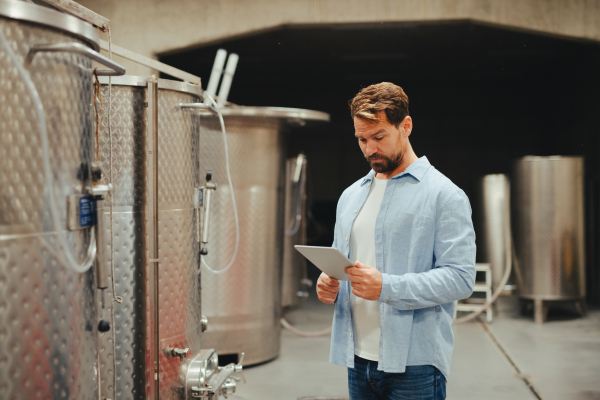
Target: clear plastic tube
(235, 213)
(305, 334)
(69, 257)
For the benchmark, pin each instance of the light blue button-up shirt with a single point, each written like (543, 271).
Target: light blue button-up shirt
(425, 251)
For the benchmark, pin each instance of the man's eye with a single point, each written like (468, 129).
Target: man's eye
(378, 138)
(362, 140)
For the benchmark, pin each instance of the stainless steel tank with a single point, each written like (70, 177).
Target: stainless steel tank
(293, 273)
(48, 319)
(549, 228)
(151, 155)
(243, 305)
(494, 236)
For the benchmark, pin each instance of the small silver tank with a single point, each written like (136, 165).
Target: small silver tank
(549, 227)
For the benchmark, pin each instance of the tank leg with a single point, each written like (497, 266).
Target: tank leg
(581, 308)
(540, 311)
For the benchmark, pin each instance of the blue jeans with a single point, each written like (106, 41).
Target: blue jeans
(421, 382)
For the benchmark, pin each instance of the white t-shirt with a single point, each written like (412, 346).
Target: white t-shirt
(365, 313)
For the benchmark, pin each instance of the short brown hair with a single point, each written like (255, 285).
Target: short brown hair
(384, 96)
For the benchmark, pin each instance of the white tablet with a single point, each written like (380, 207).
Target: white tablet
(328, 259)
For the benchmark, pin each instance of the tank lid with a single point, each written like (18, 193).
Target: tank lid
(22, 11)
(292, 115)
(167, 84)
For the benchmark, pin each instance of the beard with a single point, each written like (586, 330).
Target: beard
(384, 164)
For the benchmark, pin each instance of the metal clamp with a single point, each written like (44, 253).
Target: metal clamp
(204, 379)
(78, 48)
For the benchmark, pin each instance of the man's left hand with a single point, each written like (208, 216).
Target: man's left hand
(366, 281)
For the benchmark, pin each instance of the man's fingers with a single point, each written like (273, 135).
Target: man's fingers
(329, 289)
(332, 281)
(327, 280)
(354, 271)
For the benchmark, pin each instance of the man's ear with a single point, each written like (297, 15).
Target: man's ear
(406, 125)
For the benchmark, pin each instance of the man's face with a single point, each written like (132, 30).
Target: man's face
(382, 143)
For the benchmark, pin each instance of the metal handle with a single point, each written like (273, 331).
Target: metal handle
(207, 189)
(78, 48)
(200, 106)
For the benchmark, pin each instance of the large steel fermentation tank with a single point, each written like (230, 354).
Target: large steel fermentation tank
(243, 305)
(549, 230)
(48, 318)
(151, 155)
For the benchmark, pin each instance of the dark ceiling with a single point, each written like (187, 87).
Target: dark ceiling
(479, 95)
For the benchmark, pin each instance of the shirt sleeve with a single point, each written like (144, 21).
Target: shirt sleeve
(453, 274)
(337, 232)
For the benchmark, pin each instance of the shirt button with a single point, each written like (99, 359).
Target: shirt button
(385, 301)
(350, 335)
(346, 239)
(411, 308)
(355, 211)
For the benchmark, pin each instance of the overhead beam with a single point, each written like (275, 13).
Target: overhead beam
(73, 8)
(150, 63)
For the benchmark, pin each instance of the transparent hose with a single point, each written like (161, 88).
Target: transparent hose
(70, 259)
(300, 333)
(235, 213)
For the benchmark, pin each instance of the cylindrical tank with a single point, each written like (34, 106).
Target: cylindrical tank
(294, 264)
(549, 227)
(127, 157)
(48, 323)
(243, 305)
(494, 235)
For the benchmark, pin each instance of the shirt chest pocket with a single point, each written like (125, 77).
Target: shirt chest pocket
(410, 240)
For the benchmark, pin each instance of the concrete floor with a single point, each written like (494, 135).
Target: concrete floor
(561, 359)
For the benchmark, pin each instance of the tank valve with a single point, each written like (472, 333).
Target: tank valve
(181, 353)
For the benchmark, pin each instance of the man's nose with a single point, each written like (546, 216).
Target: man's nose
(371, 148)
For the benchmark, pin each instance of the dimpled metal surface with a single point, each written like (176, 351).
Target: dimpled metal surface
(294, 264)
(179, 292)
(48, 320)
(549, 227)
(179, 296)
(128, 122)
(243, 305)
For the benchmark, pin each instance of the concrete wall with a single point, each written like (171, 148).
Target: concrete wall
(155, 26)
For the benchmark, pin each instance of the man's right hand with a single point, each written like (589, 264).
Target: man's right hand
(327, 288)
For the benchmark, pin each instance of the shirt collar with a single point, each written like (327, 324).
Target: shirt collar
(416, 170)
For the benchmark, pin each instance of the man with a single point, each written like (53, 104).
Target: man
(408, 229)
